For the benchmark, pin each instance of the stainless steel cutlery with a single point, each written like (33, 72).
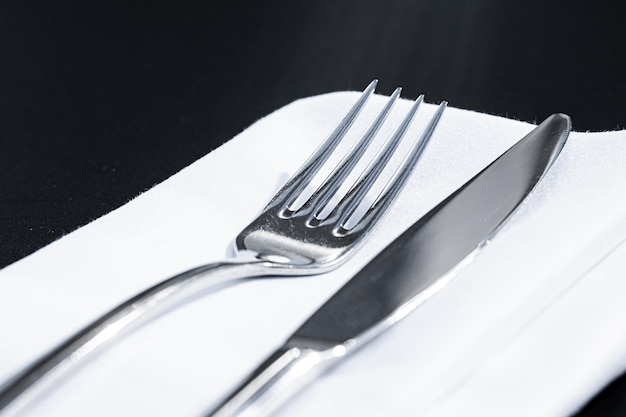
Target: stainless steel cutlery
(305, 231)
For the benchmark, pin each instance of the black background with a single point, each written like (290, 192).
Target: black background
(99, 102)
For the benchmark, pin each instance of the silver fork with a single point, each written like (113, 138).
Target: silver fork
(282, 241)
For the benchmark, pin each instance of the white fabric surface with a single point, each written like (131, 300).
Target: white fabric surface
(535, 325)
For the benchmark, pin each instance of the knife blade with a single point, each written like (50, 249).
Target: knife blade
(407, 272)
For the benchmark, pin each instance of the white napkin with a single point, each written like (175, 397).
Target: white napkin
(535, 325)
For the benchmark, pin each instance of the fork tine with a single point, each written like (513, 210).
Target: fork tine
(301, 179)
(399, 179)
(320, 198)
(350, 202)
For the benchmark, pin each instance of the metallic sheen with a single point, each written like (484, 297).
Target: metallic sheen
(283, 241)
(407, 272)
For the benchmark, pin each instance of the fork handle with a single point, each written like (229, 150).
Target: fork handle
(23, 388)
(277, 379)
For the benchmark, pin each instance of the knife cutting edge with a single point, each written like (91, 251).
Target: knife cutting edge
(407, 272)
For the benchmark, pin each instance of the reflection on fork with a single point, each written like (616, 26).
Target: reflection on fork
(289, 238)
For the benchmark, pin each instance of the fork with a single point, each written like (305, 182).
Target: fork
(284, 240)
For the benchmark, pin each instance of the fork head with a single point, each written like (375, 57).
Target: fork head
(315, 236)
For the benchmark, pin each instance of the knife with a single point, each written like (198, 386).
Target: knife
(407, 272)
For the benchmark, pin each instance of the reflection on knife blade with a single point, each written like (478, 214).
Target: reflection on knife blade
(407, 272)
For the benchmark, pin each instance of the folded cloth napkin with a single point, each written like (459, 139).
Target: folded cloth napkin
(535, 325)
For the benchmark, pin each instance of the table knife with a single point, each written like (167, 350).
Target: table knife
(407, 272)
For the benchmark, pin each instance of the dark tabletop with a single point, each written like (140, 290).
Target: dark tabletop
(100, 102)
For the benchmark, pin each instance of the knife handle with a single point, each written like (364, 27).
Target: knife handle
(278, 378)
